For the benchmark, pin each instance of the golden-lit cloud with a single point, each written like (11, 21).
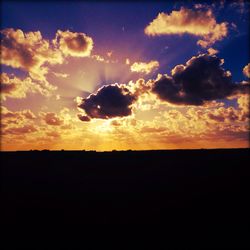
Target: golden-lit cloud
(197, 22)
(23, 129)
(223, 114)
(74, 43)
(212, 51)
(14, 87)
(53, 134)
(61, 75)
(198, 126)
(127, 61)
(246, 70)
(18, 122)
(28, 51)
(146, 100)
(98, 58)
(109, 53)
(182, 110)
(170, 127)
(14, 116)
(144, 67)
(51, 118)
(243, 102)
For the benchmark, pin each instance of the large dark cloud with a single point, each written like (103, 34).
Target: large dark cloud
(201, 79)
(109, 101)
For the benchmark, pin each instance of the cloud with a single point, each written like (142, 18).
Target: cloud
(53, 134)
(212, 51)
(153, 130)
(109, 53)
(241, 6)
(52, 118)
(18, 115)
(61, 75)
(99, 58)
(197, 22)
(83, 118)
(200, 124)
(115, 123)
(201, 79)
(14, 87)
(246, 70)
(21, 130)
(17, 122)
(28, 114)
(25, 129)
(243, 102)
(31, 52)
(178, 127)
(28, 51)
(73, 43)
(223, 114)
(109, 101)
(7, 88)
(144, 67)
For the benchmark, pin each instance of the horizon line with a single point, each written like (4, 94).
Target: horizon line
(114, 150)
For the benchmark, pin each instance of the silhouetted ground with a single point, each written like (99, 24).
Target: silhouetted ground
(184, 190)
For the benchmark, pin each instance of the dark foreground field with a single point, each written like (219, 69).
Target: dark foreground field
(186, 190)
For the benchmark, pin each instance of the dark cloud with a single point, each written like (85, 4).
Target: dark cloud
(201, 79)
(109, 101)
(241, 88)
(7, 88)
(83, 118)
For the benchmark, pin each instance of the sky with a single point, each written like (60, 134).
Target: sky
(119, 75)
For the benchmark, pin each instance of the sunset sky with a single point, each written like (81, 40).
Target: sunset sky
(124, 75)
